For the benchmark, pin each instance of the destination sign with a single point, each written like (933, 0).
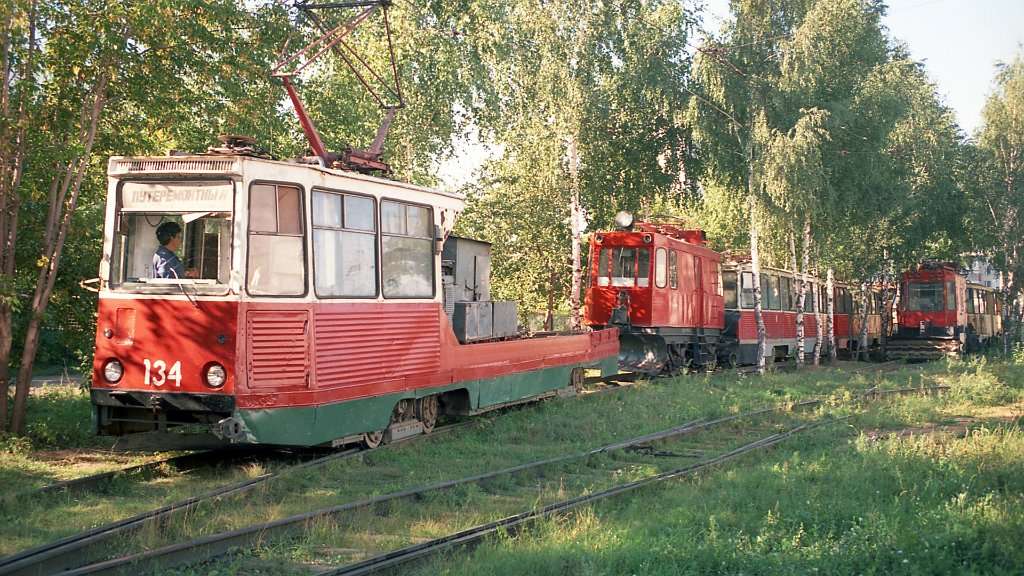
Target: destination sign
(189, 196)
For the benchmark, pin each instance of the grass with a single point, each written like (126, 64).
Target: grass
(834, 502)
(513, 437)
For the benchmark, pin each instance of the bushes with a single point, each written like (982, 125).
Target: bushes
(58, 417)
(983, 384)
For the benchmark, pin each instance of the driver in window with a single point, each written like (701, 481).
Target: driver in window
(166, 263)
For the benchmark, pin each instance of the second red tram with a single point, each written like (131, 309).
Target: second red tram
(660, 285)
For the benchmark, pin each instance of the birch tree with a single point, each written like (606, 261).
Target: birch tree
(997, 198)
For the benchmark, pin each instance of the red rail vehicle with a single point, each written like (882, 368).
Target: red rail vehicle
(316, 306)
(932, 315)
(778, 306)
(941, 314)
(660, 285)
(984, 316)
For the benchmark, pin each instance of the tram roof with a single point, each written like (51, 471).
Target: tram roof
(236, 165)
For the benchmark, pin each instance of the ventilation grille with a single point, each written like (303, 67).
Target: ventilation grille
(278, 350)
(358, 344)
(174, 165)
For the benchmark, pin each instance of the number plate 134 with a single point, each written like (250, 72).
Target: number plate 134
(157, 373)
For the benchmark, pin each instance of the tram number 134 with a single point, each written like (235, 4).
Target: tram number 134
(157, 373)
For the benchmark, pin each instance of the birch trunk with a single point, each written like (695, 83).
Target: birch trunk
(831, 308)
(801, 299)
(886, 311)
(549, 316)
(862, 345)
(796, 287)
(575, 223)
(63, 201)
(755, 269)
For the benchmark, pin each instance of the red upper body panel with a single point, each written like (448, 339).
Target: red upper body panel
(164, 333)
(675, 285)
(280, 353)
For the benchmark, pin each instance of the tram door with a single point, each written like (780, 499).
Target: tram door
(698, 295)
(278, 331)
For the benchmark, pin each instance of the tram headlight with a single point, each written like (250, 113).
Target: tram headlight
(624, 220)
(113, 371)
(215, 375)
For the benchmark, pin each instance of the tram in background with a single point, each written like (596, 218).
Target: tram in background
(313, 310)
(941, 314)
(660, 285)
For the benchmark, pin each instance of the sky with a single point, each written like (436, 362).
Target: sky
(959, 42)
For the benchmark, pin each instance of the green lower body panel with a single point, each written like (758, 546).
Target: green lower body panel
(313, 425)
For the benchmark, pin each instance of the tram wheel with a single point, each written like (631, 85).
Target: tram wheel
(373, 439)
(576, 379)
(426, 412)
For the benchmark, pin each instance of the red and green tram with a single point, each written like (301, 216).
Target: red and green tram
(312, 309)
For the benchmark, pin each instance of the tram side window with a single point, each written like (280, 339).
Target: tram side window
(971, 301)
(344, 245)
(747, 292)
(950, 296)
(787, 293)
(660, 267)
(277, 263)
(729, 289)
(810, 297)
(407, 250)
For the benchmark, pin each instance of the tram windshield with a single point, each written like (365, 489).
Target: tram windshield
(172, 234)
(628, 267)
(924, 297)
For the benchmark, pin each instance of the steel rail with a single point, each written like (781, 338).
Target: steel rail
(513, 523)
(66, 552)
(210, 546)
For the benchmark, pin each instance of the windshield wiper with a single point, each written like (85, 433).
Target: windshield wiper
(183, 291)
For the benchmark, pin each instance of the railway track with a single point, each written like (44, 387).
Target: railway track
(67, 552)
(80, 548)
(195, 460)
(512, 524)
(640, 448)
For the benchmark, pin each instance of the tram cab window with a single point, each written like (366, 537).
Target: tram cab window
(602, 266)
(729, 289)
(924, 296)
(407, 250)
(204, 248)
(950, 296)
(643, 268)
(344, 245)
(625, 267)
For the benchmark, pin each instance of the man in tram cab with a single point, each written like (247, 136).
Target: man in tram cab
(166, 263)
